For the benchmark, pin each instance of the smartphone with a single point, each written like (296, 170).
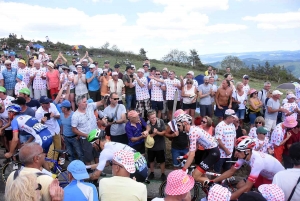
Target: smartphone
(75, 73)
(47, 115)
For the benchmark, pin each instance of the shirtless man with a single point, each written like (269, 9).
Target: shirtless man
(223, 99)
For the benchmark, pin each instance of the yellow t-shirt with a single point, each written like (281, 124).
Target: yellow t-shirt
(44, 180)
(121, 188)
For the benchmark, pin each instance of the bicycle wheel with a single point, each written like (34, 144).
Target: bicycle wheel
(63, 178)
(9, 168)
(194, 192)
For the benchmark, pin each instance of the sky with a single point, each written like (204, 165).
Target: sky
(158, 26)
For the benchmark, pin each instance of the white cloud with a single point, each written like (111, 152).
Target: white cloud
(224, 42)
(286, 20)
(133, 1)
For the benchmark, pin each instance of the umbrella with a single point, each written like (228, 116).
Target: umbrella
(76, 47)
(38, 46)
(286, 86)
(200, 79)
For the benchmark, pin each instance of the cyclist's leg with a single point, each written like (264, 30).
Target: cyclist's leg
(57, 144)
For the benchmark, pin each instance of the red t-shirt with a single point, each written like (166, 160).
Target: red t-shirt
(294, 138)
(53, 78)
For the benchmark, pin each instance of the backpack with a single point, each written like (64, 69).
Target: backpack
(17, 172)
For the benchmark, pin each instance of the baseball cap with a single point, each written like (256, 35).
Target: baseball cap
(25, 91)
(37, 61)
(19, 101)
(20, 77)
(245, 76)
(290, 96)
(45, 100)
(65, 103)
(65, 68)
(126, 159)
(191, 73)
(179, 183)
(165, 69)
(106, 62)
(78, 170)
(12, 53)
(2, 89)
(141, 70)
(271, 192)
(149, 142)
(114, 73)
(92, 66)
(50, 64)
(129, 67)
(276, 92)
(133, 66)
(22, 61)
(90, 100)
(261, 130)
(117, 66)
(229, 112)
(153, 68)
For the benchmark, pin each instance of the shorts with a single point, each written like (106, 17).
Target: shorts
(157, 105)
(241, 113)
(170, 104)
(142, 105)
(72, 91)
(176, 153)
(141, 172)
(89, 153)
(158, 155)
(191, 106)
(8, 135)
(139, 147)
(270, 124)
(205, 110)
(220, 113)
(209, 158)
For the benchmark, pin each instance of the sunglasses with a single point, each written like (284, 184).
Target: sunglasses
(204, 122)
(73, 61)
(188, 83)
(39, 187)
(157, 74)
(258, 122)
(7, 64)
(115, 98)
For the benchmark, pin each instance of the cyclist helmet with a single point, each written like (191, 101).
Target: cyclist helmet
(14, 108)
(95, 134)
(243, 143)
(184, 118)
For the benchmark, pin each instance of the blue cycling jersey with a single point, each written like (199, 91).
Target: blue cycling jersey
(31, 126)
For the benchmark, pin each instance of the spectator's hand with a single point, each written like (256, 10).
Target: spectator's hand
(1, 132)
(43, 120)
(134, 76)
(8, 155)
(227, 152)
(271, 151)
(244, 131)
(288, 135)
(155, 131)
(176, 133)
(55, 191)
(229, 106)
(52, 115)
(221, 108)
(181, 77)
(151, 76)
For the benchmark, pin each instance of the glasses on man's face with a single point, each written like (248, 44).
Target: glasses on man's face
(188, 83)
(39, 187)
(258, 122)
(7, 64)
(115, 98)
(157, 74)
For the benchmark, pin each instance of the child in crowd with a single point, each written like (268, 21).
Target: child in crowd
(20, 84)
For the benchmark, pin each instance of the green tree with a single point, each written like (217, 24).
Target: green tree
(194, 58)
(143, 53)
(233, 62)
(176, 56)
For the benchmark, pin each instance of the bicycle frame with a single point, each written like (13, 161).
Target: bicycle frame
(59, 169)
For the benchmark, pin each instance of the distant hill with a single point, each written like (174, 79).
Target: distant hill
(289, 59)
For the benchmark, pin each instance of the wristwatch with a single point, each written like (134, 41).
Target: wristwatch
(114, 122)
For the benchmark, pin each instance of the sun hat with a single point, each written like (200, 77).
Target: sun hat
(149, 142)
(276, 92)
(22, 61)
(65, 68)
(2, 89)
(65, 103)
(252, 91)
(291, 96)
(41, 50)
(179, 183)
(132, 113)
(218, 192)
(141, 70)
(25, 91)
(114, 73)
(290, 122)
(126, 159)
(271, 192)
(19, 76)
(230, 112)
(7, 62)
(92, 66)
(191, 73)
(50, 64)
(165, 69)
(178, 112)
(261, 130)
(78, 170)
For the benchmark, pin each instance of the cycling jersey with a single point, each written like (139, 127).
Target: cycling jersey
(110, 148)
(31, 126)
(200, 136)
(261, 164)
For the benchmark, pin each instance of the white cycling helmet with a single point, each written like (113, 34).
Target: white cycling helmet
(243, 143)
(184, 118)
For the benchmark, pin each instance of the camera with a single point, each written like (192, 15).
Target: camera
(131, 76)
(110, 119)
(104, 74)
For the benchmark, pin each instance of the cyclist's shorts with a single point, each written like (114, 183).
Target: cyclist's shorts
(140, 176)
(46, 139)
(141, 167)
(210, 157)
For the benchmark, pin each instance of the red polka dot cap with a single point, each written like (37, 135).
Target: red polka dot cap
(271, 192)
(179, 183)
(218, 192)
(126, 159)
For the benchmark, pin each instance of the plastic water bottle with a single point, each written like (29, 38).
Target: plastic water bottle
(61, 161)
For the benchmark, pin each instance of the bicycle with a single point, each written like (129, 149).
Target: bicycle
(14, 165)
(197, 186)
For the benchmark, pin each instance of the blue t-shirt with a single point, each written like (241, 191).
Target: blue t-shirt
(67, 126)
(80, 191)
(94, 84)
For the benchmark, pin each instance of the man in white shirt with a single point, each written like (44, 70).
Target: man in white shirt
(126, 188)
(289, 179)
(116, 85)
(262, 94)
(246, 86)
(48, 114)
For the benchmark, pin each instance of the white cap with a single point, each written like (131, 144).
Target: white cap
(291, 96)
(85, 60)
(191, 72)
(92, 66)
(141, 70)
(41, 50)
(114, 73)
(277, 92)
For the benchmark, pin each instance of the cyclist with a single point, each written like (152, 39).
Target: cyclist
(100, 142)
(30, 126)
(263, 167)
(201, 137)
